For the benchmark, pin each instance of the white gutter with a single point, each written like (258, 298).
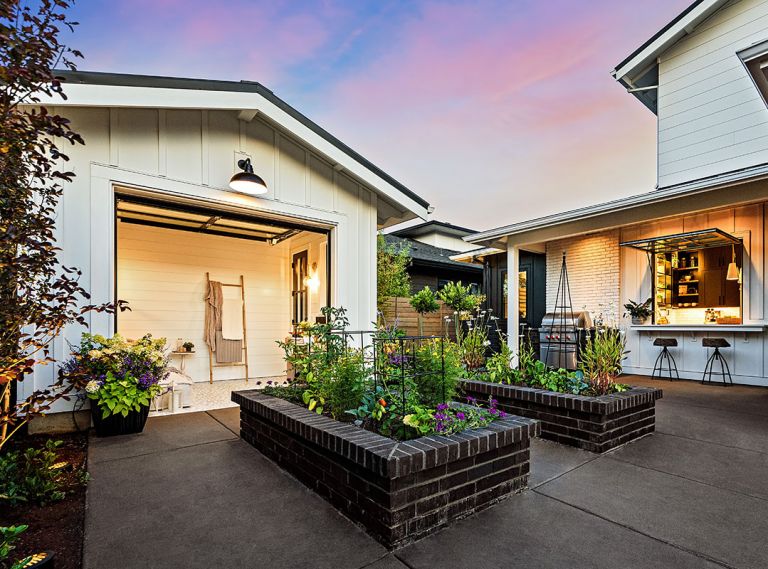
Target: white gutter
(656, 196)
(652, 51)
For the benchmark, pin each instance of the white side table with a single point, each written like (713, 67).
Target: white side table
(182, 356)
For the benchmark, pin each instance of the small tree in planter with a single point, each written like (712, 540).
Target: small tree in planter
(120, 378)
(424, 302)
(639, 312)
(461, 299)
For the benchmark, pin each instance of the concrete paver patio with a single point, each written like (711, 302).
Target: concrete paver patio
(188, 493)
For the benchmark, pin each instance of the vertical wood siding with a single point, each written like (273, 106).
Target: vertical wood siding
(196, 152)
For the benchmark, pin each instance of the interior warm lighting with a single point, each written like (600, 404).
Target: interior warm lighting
(246, 182)
(733, 270)
(312, 281)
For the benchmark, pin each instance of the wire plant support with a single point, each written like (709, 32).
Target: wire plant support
(395, 364)
(562, 314)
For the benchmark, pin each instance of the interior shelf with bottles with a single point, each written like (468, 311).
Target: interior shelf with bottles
(677, 279)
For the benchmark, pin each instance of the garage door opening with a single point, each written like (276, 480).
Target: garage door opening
(169, 259)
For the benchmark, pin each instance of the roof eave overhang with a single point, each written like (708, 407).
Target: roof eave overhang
(120, 96)
(523, 232)
(631, 72)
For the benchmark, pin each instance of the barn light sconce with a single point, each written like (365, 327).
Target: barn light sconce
(246, 182)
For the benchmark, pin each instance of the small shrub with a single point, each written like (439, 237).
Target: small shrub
(8, 538)
(391, 271)
(499, 365)
(343, 383)
(32, 476)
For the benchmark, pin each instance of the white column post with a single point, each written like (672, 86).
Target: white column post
(513, 300)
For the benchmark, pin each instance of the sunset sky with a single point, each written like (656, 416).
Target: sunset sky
(494, 112)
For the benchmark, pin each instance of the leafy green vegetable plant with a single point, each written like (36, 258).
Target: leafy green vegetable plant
(8, 538)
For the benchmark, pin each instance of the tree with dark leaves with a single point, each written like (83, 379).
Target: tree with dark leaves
(38, 295)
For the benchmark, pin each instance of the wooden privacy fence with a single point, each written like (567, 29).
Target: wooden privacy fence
(397, 310)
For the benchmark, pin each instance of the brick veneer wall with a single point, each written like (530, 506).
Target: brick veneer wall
(399, 491)
(593, 273)
(596, 424)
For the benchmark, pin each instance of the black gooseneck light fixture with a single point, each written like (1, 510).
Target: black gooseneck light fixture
(246, 182)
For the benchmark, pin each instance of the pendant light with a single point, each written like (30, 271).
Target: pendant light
(733, 270)
(246, 182)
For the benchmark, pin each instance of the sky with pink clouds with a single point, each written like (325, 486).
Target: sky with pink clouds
(493, 111)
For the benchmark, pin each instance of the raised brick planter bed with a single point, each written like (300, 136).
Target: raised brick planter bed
(596, 424)
(399, 491)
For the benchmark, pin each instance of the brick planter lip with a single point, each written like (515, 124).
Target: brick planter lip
(379, 454)
(596, 424)
(601, 404)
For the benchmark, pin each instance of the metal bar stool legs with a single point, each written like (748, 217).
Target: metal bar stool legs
(665, 356)
(716, 357)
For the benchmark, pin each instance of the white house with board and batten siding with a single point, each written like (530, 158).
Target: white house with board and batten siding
(150, 216)
(695, 245)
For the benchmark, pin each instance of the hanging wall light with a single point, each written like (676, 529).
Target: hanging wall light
(246, 182)
(733, 270)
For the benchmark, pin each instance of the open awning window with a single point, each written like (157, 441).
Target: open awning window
(690, 241)
(203, 220)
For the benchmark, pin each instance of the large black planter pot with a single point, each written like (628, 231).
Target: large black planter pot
(117, 424)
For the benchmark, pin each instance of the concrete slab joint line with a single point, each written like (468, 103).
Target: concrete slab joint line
(688, 502)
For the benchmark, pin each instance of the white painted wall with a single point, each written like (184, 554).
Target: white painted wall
(161, 273)
(593, 273)
(711, 117)
(192, 154)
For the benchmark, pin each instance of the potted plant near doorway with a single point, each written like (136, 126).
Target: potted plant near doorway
(639, 311)
(120, 378)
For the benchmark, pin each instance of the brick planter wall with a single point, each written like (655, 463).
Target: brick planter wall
(399, 491)
(595, 424)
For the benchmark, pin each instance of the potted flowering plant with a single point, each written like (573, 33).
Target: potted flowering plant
(120, 378)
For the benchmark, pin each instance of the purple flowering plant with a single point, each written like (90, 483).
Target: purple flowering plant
(448, 419)
(118, 375)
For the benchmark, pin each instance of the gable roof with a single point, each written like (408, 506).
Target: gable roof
(433, 226)
(91, 88)
(639, 70)
(429, 255)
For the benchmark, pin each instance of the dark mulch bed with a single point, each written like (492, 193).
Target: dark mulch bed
(57, 527)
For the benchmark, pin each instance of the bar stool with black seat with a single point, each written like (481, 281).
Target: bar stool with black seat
(716, 356)
(665, 355)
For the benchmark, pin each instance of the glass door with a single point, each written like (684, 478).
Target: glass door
(299, 276)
